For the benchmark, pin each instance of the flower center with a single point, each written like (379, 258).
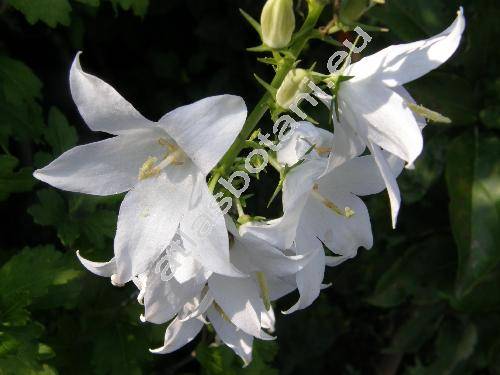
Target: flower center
(322, 151)
(346, 212)
(173, 155)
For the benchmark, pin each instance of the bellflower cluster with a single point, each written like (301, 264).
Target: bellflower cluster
(194, 259)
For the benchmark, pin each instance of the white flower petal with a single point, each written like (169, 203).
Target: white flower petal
(346, 145)
(390, 181)
(399, 64)
(185, 267)
(103, 168)
(340, 234)
(268, 320)
(303, 137)
(205, 129)
(203, 231)
(252, 254)
(165, 298)
(105, 269)
(382, 116)
(360, 176)
(237, 340)
(199, 308)
(102, 108)
(240, 300)
(333, 261)
(179, 334)
(296, 188)
(149, 218)
(308, 284)
(421, 121)
(279, 287)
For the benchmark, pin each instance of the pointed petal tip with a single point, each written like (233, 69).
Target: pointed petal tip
(115, 280)
(105, 269)
(76, 63)
(394, 220)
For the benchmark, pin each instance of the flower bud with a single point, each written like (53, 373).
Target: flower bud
(278, 23)
(295, 83)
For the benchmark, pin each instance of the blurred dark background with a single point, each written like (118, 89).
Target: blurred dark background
(424, 300)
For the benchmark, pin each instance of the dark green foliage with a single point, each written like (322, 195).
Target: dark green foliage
(424, 300)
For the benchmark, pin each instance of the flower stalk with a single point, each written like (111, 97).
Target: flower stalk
(305, 32)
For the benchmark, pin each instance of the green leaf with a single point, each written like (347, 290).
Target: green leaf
(12, 181)
(28, 276)
(415, 183)
(490, 117)
(473, 177)
(221, 360)
(416, 19)
(92, 3)
(455, 344)
(79, 216)
(139, 7)
(423, 272)
(52, 12)
(59, 134)
(20, 351)
(52, 211)
(17, 82)
(417, 329)
(20, 113)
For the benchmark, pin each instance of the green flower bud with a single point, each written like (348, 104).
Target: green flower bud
(278, 23)
(295, 83)
(352, 10)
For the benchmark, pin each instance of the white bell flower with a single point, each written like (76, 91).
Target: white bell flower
(373, 104)
(162, 165)
(321, 206)
(237, 307)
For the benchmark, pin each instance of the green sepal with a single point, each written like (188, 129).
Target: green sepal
(252, 21)
(270, 89)
(261, 48)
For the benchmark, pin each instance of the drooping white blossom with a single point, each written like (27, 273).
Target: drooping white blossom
(162, 165)
(321, 205)
(237, 307)
(373, 104)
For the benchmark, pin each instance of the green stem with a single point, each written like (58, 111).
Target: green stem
(264, 290)
(274, 163)
(239, 207)
(315, 9)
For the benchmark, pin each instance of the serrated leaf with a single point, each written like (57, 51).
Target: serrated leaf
(12, 181)
(79, 216)
(28, 276)
(52, 12)
(20, 351)
(52, 211)
(17, 81)
(20, 112)
(59, 134)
